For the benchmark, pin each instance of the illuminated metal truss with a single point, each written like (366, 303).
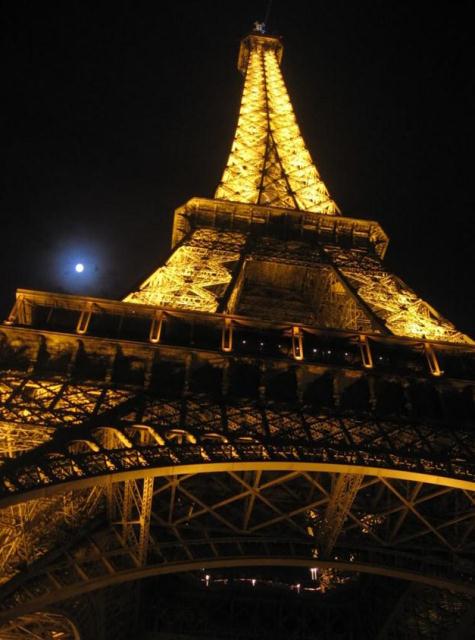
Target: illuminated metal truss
(40, 626)
(225, 482)
(402, 311)
(275, 433)
(129, 506)
(109, 613)
(216, 483)
(327, 286)
(273, 398)
(310, 290)
(236, 518)
(341, 498)
(269, 163)
(83, 430)
(28, 530)
(196, 275)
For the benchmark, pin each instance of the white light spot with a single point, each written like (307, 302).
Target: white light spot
(79, 267)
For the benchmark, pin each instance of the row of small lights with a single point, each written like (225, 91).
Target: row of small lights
(279, 346)
(329, 351)
(80, 268)
(253, 581)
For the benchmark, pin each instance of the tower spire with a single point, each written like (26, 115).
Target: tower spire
(269, 163)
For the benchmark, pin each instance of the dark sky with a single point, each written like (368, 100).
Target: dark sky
(116, 113)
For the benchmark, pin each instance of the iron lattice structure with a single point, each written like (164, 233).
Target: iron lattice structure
(271, 399)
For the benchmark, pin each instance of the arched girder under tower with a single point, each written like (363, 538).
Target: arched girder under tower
(58, 595)
(268, 513)
(112, 476)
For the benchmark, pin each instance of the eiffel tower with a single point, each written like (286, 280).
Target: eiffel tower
(271, 412)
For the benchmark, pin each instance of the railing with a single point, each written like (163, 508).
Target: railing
(241, 335)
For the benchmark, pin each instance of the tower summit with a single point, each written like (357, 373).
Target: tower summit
(271, 399)
(269, 163)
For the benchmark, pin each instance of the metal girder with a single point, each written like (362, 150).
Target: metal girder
(197, 521)
(325, 296)
(43, 590)
(129, 503)
(30, 529)
(263, 440)
(197, 274)
(199, 432)
(129, 512)
(342, 496)
(402, 311)
(40, 626)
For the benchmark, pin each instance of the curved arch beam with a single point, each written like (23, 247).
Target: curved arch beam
(140, 573)
(218, 467)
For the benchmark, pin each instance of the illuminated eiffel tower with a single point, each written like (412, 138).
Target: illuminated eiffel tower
(273, 411)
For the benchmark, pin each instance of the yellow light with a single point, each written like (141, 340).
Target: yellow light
(196, 274)
(269, 163)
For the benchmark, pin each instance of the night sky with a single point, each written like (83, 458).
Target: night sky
(116, 113)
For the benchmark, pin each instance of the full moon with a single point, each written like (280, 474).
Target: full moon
(79, 267)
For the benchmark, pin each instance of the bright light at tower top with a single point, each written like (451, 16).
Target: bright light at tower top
(269, 163)
(79, 267)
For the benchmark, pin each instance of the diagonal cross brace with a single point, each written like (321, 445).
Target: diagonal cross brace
(341, 499)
